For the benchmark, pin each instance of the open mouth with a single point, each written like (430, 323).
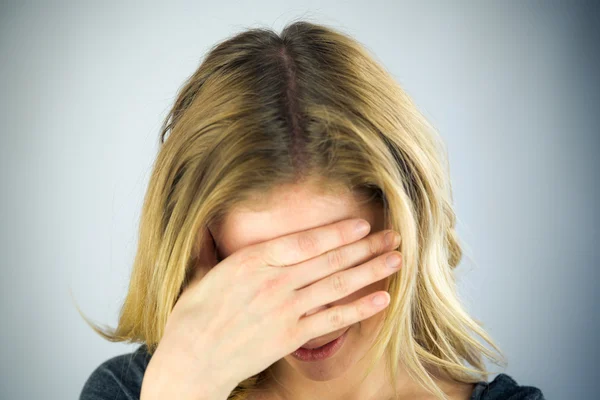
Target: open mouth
(323, 352)
(313, 344)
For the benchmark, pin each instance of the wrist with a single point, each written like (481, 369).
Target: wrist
(161, 382)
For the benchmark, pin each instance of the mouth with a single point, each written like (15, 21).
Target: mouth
(315, 343)
(323, 352)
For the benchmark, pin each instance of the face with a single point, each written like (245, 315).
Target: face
(297, 208)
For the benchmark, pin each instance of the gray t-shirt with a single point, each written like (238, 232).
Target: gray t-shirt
(120, 378)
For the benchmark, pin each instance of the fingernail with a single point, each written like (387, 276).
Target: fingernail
(361, 227)
(379, 300)
(393, 260)
(391, 238)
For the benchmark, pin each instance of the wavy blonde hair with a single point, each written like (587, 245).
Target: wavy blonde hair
(312, 104)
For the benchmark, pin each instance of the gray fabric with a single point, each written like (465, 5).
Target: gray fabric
(120, 378)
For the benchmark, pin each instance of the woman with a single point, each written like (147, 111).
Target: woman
(250, 281)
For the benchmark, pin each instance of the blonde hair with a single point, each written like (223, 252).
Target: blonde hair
(264, 110)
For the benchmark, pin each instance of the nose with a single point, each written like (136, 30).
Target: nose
(316, 310)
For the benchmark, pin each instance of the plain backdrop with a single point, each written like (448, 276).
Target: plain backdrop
(512, 86)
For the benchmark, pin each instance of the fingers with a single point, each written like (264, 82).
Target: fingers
(302, 246)
(344, 283)
(341, 258)
(341, 316)
(315, 310)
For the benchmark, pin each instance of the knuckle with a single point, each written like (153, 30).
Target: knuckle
(307, 243)
(336, 318)
(335, 259)
(374, 246)
(339, 283)
(343, 235)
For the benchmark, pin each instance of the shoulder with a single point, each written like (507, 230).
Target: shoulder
(503, 387)
(118, 378)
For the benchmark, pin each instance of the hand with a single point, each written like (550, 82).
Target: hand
(238, 317)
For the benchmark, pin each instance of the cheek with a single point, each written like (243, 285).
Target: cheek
(370, 289)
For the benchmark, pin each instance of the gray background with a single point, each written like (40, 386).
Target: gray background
(512, 86)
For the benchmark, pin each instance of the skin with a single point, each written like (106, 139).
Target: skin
(297, 208)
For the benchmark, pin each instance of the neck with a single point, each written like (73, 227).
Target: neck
(287, 383)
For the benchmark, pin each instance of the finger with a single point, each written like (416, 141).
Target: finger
(344, 283)
(315, 310)
(300, 246)
(342, 258)
(341, 316)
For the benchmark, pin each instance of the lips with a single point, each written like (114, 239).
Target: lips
(313, 344)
